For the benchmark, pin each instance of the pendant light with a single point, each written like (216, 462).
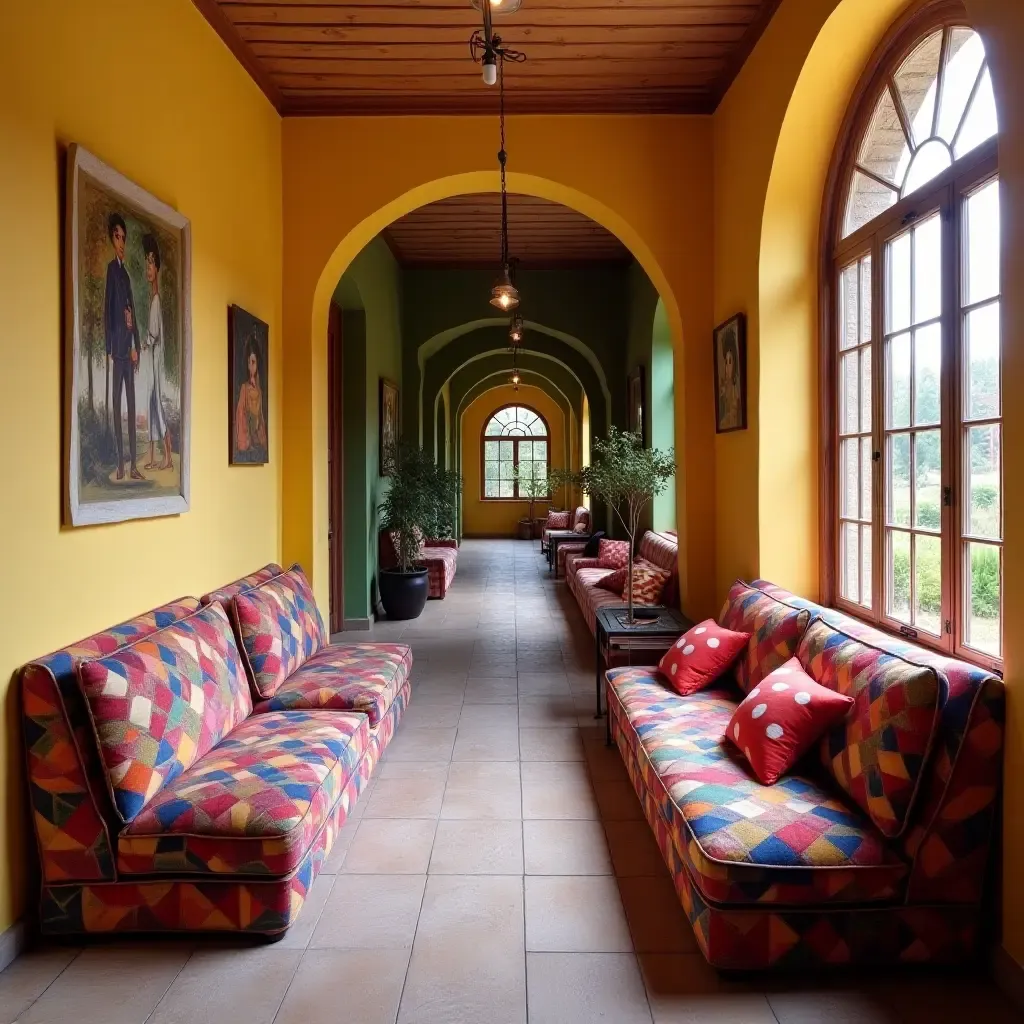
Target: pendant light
(488, 45)
(516, 331)
(504, 295)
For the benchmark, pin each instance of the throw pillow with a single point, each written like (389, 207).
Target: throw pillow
(648, 584)
(613, 554)
(593, 545)
(782, 718)
(700, 656)
(614, 581)
(558, 520)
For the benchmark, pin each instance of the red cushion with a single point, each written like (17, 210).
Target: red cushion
(558, 520)
(614, 581)
(613, 554)
(700, 656)
(648, 584)
(782, 717)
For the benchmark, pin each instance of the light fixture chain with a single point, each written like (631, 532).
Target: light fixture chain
(503, 160)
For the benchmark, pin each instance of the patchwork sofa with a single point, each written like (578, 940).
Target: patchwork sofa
(877, 849)
(583, 574)
(439, 557)
(189, 769)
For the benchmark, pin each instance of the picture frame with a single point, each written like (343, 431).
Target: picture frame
(248, 389)
(730, 362)
(389, 423)
(636, 402)
(128, 331)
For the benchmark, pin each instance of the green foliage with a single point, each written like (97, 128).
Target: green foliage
(984, 496)
(532, 481)
(984, 580)
(559, 479)
(95, 445)
(929, 515)
(446, 486)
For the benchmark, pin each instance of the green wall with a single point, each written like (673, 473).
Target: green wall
(370, 296)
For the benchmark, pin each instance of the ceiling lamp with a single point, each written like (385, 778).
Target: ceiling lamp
(486, 46)
(516, 331)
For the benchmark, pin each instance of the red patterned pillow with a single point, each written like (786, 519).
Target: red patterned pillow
(782, 718)
(648, 584)
(613, 554)
(558, 520)
(614, 581)
(700, 656)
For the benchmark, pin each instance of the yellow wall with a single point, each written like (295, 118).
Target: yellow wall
(499, 518)
(150, 89)
(647, 179)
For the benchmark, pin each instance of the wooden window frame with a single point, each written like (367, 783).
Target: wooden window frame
(946, 193)
(515, 438)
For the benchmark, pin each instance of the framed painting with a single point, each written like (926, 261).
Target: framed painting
(128, 349)
(635, 402)
(388, 423)
(730, 340)
(249, 395)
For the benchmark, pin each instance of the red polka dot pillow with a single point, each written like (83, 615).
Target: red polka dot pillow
(701, 656)
(782, 718)
(613, 554)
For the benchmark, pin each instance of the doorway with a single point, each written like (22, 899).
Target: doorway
(335, 470)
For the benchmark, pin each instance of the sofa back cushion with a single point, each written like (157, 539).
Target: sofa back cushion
(161, 703)
(280, 627)
(879, 752)
(227, 592)
(775, 630)
(660, 549)
(581, 520)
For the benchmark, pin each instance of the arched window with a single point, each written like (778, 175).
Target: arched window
(913, 513)
(516, 448)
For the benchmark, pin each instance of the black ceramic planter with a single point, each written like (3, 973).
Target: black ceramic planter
(403, 594)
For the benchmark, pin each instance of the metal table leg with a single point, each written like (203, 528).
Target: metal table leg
(597, 669)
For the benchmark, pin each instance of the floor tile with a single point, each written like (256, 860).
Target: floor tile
(391, 846)
(370, 912)
(487, 743)
(633, 849)
(421, 745)
(338, 852)
(298, 936)
(550, 745)
(483, 789)
(550, 711)
(492, 690)
(421, 715)
(656, 918)
(478, 848)
(229, 986)
(489, 716)
(25, 980)
(580, 914)
(617, 800)
(581, 988)
(542, 684)
(336, 985)
(839, 1005)
(557, 789)
(685, 989)
(415, 796)
(565, 848)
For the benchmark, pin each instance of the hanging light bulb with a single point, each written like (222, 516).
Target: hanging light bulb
(514, 380)
(515, 331)
(499, 6)
(504, 294)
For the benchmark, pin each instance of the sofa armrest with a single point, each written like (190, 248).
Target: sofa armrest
(446, 542)
(586, 563)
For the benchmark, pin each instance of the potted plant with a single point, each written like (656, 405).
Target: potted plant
(533, 485)
(626, 476)
(409, 505)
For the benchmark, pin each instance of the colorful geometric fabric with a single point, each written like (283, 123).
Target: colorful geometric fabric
(440, 558)
(775, 630)
(280, 627)
(345, 677)
(254, 579)
(648, 584)
(782, 718)
(878, 753)
(613, 554)
(255, 803)
(71, 805)
(700, 656)
(743, 842)
(161, 703)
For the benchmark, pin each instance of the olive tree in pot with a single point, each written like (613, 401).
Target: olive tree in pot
(626, 476)
(533, 484)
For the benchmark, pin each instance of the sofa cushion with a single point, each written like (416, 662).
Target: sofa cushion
(280, 628)
(796, 842)
(878, 753)
(700, 656)
(613, 554)
(226, 593)
(648, 584)
(345, 677)
(558, 521)
(440, 563)
(161, 703)
(782, 718)
(255, 803)
(660, 549)
(775, 630)
(613, 581)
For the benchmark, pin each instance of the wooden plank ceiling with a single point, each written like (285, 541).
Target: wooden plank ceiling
(412, 56)
(465, 231)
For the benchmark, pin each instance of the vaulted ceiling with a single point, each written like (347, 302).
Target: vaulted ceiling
(412, 56)
(464, 231)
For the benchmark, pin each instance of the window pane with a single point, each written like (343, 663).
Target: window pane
(981, 122)
(899, 576)
(490, 471)
(928, 579)
(929, 162)
(916, 80)
(506, 489)
(963, 64)
(525, 451)
(490, 449)
(868, 198)
(865, 477)
(985, 481)
(898, 285)
(983, 353)
(849, 393)
(928, 479)
(882, 151)
(899, 480)
(851, 562)
(927, 375)
(865, 299)
(865, 569)
(506, 450)
(850, 478)
(984, 587)
(848, 308)
(865, 389)
(540, 451)
(982, 246)
(491, 489)
(928, 269)
(899, 382)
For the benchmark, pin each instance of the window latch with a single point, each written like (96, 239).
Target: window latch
(876, 456)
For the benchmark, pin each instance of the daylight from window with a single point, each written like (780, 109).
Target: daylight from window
(521, 454)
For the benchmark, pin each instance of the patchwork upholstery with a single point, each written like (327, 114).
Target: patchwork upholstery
(345, 677)
(441, 563)
(161, 703)
(280, 628)
(255, 803)
(744, 842)
(775, 629)
(877, 753)
(225, 594)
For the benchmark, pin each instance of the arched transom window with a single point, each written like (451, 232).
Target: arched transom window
(914, 515)
(516, 451)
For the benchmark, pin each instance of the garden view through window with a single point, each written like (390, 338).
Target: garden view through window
(917, 365)
(516, 449)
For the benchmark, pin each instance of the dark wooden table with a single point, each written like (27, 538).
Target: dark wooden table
(611, 633)
(556, 537)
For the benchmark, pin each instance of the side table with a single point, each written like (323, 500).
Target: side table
(556, 537)
(612, 633)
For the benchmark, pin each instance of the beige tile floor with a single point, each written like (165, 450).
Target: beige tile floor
(497, 870)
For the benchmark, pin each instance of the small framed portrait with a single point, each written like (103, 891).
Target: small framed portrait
(635, 402)
(731, 375)
(248, 399)
(388, 423)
